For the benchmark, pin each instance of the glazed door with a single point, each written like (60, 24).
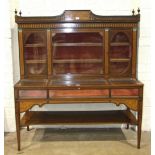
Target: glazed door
(35, 53)
(78, 53)
(120, 53)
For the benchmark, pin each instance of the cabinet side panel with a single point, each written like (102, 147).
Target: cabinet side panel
(106, 42)
(134, 54)
(49, 52)
(21, 53)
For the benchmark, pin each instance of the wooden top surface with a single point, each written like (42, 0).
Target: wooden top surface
(71, 83)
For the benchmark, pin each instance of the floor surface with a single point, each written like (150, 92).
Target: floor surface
(75, 141)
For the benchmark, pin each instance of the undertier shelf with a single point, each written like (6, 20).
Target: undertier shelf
(77, 117)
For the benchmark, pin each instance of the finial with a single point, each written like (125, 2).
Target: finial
(20, 13)
(138, 10)
(16, 12)
(133, 12)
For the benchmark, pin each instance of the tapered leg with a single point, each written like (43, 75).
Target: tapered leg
(18, 138)
(127, 125)
(139, 136)
(28, 129)
(140, 109)
(17, 112)
(139, 128)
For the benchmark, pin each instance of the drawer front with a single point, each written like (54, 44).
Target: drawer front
(79, 93)
(25, 94)
(124, 92)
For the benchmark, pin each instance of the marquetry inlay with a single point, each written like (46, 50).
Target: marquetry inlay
(75, 25)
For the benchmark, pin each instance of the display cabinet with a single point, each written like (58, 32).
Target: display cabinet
(78, 57)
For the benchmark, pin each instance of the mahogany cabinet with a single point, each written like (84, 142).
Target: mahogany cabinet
(78, 57)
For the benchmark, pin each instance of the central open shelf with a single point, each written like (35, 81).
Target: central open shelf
(78, 61)
(78, 44)
(77, 117)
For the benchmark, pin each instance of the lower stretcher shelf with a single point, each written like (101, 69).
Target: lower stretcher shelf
(77, 117)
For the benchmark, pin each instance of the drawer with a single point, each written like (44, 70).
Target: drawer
(25, 94)
(79, 93)
(124, 92)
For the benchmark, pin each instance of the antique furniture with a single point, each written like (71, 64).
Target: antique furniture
(78, 57)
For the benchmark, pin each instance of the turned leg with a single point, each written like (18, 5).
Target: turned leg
(17, 112)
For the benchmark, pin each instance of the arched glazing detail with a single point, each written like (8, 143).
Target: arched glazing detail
(120, 53)
(35, 53)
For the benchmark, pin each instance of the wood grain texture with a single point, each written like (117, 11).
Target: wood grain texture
(78, 16)
(106, 60)
(124, 92)
(25, 94)
(89, 59)
(21, 50)
(134, 53)
(130, 103)
(49, 53)
(140, 113)
(27, 105)
(78, 93)
(76, 117)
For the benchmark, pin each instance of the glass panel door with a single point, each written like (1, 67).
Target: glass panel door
(77, 53)
(35, 53)
(120, 53)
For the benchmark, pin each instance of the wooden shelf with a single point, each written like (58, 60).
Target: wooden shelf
(77, 44)
(35, 45)
(77, 61)
(77, 117)
(120, 60)
(120, 44)
(35, 61)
